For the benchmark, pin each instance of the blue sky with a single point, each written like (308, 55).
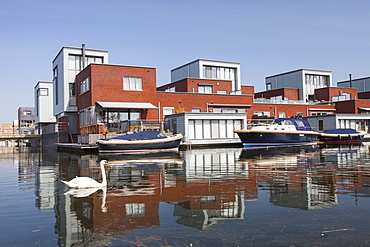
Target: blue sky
(265, 37)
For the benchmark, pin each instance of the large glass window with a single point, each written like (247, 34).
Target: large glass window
(85, 85)
(219, 73)
(75, 64)
(132, 83)
(213, 129)
(262, 113)
(55, 83)
(204, 88)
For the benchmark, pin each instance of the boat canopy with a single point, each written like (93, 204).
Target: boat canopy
(341, 131)
(300, 124)
(142, 135)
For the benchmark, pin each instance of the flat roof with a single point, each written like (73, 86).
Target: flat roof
(76, 48)
(289, 72)
(201, 59)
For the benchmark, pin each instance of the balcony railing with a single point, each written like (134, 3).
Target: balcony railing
(282, 101)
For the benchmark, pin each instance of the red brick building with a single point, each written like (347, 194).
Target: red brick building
(108, 95)
(335, 94)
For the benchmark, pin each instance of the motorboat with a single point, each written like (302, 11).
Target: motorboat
(281, 132)
(341, 136)
(143, 141)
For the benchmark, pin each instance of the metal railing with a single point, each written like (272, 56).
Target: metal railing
(282, 101)
(139, 125)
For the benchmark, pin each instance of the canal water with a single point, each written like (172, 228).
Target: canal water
(297, 196)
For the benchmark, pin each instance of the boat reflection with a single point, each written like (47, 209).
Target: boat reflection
(203, 187)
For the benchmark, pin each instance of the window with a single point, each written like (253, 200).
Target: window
(134, 210)
(262, 113)
(76, 63)
(219, 73)
(168, 110)
(27, 113)
(204, 88)
(43, 92)
(55, 82)
(171, 89)
(195, 110)
(318, 113)
(282, 114)
(321, 124)
(26, 123)
(85, 85)
(213, 129)
(221, 92)
(132, 83)
(318, 81)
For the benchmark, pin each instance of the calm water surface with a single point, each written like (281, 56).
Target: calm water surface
(304, 196)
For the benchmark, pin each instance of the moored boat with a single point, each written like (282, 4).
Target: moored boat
(341, 136)
(282, 132)
(143, 141)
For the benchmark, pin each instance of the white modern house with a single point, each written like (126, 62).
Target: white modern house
(43, 96)
(66, 65)
(210, 69)
(200, 128)
(306, 80)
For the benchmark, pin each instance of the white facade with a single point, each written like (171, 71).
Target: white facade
(362, 84)
(340, 121)
(210, 69)
(305, 80)
(207, 128)
(66, 65)
(43, 96)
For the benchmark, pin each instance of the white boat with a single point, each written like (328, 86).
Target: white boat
(143, 141)
(282, 132)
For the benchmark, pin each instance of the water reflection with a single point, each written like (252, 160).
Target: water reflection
(205, 186)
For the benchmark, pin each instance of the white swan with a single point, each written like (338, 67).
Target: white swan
(86, 182)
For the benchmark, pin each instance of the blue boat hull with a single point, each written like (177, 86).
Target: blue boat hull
(140, 147)
(263, 139)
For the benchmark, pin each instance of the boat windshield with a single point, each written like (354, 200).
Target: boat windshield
(284, 122)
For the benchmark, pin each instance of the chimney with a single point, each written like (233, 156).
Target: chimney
(83, 56)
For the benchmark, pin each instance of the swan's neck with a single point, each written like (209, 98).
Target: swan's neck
(104, 182)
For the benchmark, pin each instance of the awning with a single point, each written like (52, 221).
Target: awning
(321, 109)
(229, 105)
(126, 105)
(364, 108)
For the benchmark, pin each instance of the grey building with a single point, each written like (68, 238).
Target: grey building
(306, 80)
(26, 120)
(43, 96)
(210, 69)
(362, 84)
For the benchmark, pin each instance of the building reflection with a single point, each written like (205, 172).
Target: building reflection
(293, 178)
(200, 187)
